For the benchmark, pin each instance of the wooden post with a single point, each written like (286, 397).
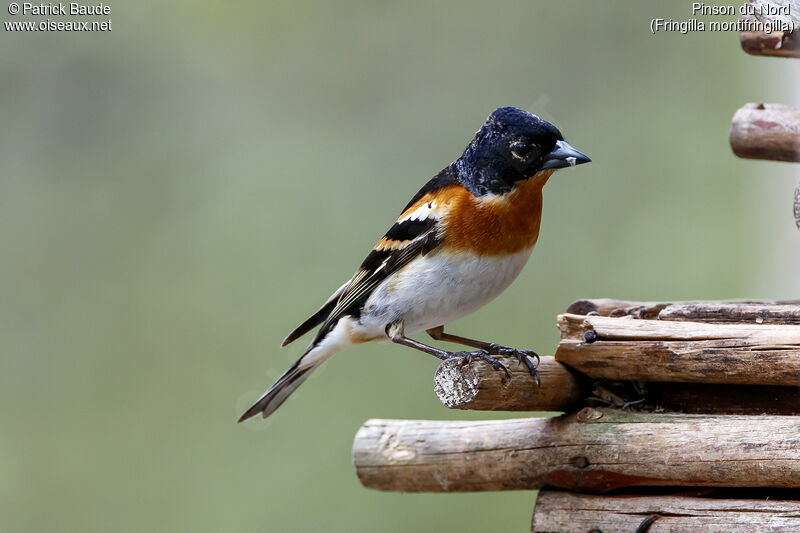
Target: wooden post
(766, 131)
(479, 386)
(581, 513)
(661, 350)
(592, 450)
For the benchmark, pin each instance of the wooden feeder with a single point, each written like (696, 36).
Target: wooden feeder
(677, 416)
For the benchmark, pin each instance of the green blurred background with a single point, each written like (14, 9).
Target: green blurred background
(179, 193)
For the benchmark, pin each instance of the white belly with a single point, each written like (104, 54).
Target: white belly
(437, 289)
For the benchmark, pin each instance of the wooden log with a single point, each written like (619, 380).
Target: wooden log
(566, 512)
(593, 450)
(661, 350)
(732, 312)
(612, 307)
(717, 311)
(774, 44)
(766, 131)
(755, 41)
(479, 386)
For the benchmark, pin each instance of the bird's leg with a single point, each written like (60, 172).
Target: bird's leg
(491, 348)
(395, 333)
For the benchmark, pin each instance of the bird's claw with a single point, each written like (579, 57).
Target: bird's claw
(480, 354)
(524, 357)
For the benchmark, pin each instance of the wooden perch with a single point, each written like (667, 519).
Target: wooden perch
(775, 43)
(593, 450)
(662, 350)
(578, 513)
(479, 386)
(766, 131)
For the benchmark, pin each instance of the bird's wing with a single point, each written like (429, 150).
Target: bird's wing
(416, 232)
(317, 318)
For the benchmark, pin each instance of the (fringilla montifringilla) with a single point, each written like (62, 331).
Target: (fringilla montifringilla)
(460, 241)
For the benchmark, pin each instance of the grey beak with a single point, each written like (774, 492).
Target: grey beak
(563, 155)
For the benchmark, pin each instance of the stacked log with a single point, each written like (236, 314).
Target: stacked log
(656, 397)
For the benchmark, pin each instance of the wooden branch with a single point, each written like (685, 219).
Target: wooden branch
(592, 450)
(661, 350)
(611, 307)
(729, 312)
(775, 43)
(766, 131)
(719, 311)
(479, 386)
(578, 513)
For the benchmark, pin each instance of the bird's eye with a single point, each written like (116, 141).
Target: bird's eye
(522, 150)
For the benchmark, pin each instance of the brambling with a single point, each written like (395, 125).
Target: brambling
(460, 241)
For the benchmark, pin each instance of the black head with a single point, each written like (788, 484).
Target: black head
(512, 145)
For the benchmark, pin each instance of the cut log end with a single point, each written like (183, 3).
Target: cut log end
(480, 387)
(455, 383)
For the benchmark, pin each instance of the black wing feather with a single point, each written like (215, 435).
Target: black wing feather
(316, 319)
(378, 266)
(419, 237)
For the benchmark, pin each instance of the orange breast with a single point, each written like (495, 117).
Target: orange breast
(493, 225)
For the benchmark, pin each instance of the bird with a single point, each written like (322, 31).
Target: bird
(458, 243)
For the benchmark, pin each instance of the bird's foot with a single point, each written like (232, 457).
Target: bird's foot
(480, 354)
(524, 357)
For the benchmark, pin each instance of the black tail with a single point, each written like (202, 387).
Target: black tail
(277, 394)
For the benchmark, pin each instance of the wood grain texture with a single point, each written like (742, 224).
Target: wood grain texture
(766, 131)
(593, 450)
(676, 351)
(565, 512)
(478, 386)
